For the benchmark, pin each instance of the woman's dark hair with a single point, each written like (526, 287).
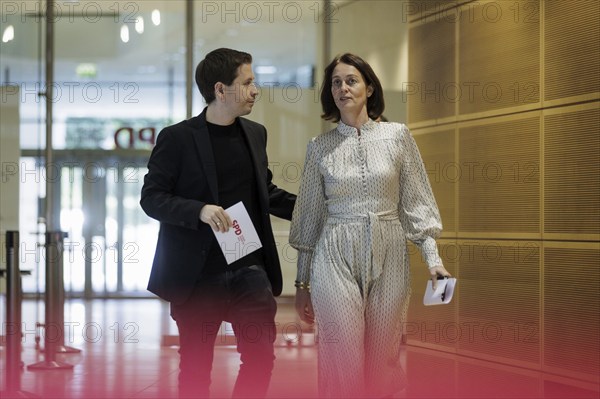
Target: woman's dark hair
(220, 65)
(375, 103)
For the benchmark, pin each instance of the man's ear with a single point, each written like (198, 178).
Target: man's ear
(219, 88)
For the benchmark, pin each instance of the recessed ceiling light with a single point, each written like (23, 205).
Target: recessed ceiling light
(156, 17)
(124, 33)
(139, 25)
(9, 34)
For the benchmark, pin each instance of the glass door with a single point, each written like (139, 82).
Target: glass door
(110, 241)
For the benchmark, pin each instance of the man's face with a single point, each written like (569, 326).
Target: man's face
(241, 94)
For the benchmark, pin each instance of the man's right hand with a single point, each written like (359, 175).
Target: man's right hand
(215, 217)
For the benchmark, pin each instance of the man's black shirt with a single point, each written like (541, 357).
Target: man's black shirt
(236, 180)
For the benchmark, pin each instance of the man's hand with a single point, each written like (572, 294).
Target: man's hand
(215, 217)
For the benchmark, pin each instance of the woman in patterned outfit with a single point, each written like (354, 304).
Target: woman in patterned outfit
(364, 192)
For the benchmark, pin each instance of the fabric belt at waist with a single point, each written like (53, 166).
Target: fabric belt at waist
(375, 236)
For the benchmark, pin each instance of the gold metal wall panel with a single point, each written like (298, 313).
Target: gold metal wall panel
(572, 171)
(415, 10)
(499, 55)
(499, 190)
(572, 307)
(571, 48)
(431, 70)
(479, 381)
(499, 307)
(437, 151)
(519, 83)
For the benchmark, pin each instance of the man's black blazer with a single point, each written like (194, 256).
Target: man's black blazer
(181, 179)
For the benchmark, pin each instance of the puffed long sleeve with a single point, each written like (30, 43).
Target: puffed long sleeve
(310, 212)
(418, 209)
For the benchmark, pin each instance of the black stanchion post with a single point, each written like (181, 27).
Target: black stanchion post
(60, 302)
(53, 238)
(53, 332)
(13, 320)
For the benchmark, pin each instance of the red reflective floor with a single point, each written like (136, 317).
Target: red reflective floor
(122, 357)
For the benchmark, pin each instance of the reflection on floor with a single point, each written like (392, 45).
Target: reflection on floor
(122, 357)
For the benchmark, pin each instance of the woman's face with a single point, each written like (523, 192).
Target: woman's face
(349, 89)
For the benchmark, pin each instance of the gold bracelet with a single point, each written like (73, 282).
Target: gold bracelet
(302, 285)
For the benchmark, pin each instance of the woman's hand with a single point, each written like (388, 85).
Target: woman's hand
(304, 306)
(437, 271)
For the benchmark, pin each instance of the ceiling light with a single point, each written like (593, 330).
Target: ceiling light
(9, 34)
(124, 33)
(156, 17)
(139, 25)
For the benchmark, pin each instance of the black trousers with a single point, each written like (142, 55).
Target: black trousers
(244, 298)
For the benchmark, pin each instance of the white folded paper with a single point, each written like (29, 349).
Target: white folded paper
(442, 294)
(241, 239)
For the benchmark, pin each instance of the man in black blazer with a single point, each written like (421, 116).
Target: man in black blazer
(198, 168)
